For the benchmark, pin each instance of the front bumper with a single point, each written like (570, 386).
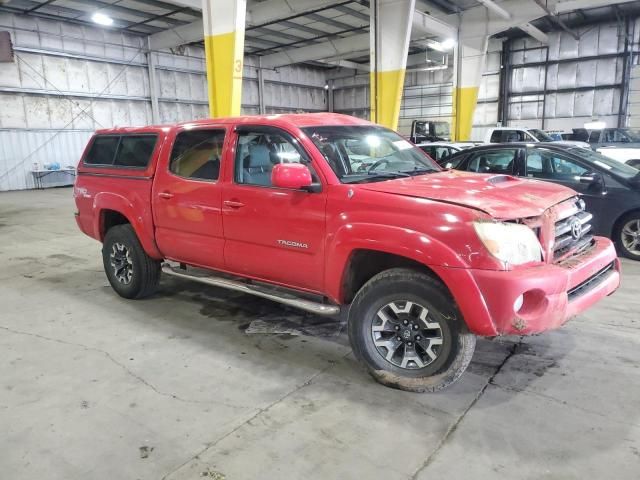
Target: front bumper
(550, 294)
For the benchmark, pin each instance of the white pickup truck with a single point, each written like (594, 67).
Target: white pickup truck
(521, 134)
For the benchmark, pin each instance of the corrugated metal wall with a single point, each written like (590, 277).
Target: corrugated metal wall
(581, 80)
(69, 80)
(426, 95)
(20, 149)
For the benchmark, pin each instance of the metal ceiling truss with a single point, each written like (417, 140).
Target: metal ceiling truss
(73, 15)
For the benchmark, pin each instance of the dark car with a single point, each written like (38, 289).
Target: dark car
(610, 189)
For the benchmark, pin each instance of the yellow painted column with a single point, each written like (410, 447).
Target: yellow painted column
(390, 35)
(470, 63)
(224, 22)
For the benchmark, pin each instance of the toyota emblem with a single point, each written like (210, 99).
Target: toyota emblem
(576, 229)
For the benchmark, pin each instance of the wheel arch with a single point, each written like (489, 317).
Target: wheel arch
(112, 209)
(359, 251)
(617, 224)
(363, 264)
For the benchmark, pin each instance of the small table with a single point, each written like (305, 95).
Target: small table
(38, 175)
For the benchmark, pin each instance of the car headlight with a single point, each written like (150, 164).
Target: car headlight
(511, 243)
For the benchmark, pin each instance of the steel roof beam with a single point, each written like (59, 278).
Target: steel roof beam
(535, 32)
(571, 5)
(330, 21)
(353, 13)
(193, 8)
(39, 6)
(258, 15)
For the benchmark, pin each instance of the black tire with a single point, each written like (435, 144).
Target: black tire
(628, 223)
(395, 288)
(141, 276)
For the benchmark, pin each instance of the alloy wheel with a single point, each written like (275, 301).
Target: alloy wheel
(121, 263)
(631, 236)
(405, 336)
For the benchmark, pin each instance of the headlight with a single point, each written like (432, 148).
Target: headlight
(512, 243)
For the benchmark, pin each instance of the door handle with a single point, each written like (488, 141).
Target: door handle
(165, 195)
(233, 204)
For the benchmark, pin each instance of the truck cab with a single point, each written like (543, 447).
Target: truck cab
(522, 134)
(335, 215)
(429, 131)
(621, 144)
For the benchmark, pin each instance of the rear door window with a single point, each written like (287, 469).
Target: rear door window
(496, 136)
(196, 154)
(515, 136)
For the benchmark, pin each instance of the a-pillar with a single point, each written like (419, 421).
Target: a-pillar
(224, 22)
(391, 22)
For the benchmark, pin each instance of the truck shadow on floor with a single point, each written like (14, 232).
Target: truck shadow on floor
(270, 318)
(295, 335)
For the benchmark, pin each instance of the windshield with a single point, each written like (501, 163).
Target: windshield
(441, 129)
(366, 153)
(613, 166)
(540, 135)
(632, 135)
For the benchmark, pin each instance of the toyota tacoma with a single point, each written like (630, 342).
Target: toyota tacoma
(330, 214)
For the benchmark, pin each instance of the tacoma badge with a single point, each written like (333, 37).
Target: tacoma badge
(291, 243)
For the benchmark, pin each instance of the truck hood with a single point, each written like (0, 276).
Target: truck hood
(501, 196)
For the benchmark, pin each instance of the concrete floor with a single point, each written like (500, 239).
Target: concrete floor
(200, 382)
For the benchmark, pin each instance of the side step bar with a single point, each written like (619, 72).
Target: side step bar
(301, 303)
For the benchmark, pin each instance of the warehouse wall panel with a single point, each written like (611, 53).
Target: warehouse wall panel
(70, 78)
(20, 149)
(584, 78)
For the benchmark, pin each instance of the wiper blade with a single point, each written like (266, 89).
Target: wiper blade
(377, 176)
(388, 174)
(419, 171)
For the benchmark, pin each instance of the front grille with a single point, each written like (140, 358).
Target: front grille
(591, 282)
(572, 232)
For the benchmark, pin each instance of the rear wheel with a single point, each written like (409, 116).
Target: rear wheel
(131, 272)
(405, 328)
(627, 236)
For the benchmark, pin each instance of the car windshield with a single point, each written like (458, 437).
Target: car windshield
(613, 166)
(441, 129)
(634, 135)
(363, 153)
(540, 135)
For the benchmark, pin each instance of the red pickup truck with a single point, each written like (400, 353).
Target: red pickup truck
(330, 213)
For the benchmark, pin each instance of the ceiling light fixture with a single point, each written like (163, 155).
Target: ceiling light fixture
(443, 46)
(448, 44)
(430, 69)
(102, 19)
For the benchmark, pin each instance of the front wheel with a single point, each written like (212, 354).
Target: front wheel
(131, 272)
(405, 327)
(628, 236)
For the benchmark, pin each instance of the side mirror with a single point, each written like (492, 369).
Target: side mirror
(593, 179)
(294, 176)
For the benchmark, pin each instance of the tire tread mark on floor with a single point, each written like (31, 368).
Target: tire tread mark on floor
(257, 414)
(123, 367)
(512, 351)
